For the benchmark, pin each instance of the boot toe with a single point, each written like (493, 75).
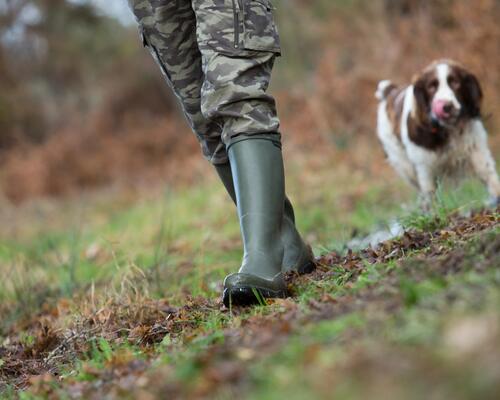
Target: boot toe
(245, 290)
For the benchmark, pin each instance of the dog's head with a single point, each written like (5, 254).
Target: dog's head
(445, 93)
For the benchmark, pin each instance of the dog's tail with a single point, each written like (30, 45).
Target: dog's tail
(385, 88)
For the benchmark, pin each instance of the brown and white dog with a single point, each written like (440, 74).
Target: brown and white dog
(433, 128)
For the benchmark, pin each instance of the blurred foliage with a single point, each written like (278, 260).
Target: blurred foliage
(83, 105)
(58, 59)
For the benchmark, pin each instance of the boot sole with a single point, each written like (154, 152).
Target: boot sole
(246, 296)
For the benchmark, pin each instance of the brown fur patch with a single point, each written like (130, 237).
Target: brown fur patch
(469, 92)
(395, 103)
(425, 135)
(422, 96)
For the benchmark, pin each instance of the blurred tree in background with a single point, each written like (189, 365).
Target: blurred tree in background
(59, 60)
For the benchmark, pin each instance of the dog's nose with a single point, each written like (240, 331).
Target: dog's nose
(448, 108)
(443, 109)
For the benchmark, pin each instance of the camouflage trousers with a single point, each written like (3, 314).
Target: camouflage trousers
(217, 56)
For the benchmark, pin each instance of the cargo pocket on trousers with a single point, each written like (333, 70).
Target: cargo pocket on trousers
(237, 27)
(260, 31)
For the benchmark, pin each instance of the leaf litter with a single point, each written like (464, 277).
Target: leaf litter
(41, 359)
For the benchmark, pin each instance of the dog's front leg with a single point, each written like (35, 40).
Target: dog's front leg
(427, 186)
(483, 164)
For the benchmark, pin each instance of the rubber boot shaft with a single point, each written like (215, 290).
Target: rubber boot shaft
(298, 256)
(259, 187)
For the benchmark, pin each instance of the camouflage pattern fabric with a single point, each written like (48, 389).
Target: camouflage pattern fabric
(217, 56)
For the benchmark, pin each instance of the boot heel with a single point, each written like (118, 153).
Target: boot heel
(307, 268)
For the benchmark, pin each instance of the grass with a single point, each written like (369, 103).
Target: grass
(132, 284)
(183, 242)
(318, 349)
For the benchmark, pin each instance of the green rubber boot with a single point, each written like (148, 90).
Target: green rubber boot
(298, 256)
(259, 188)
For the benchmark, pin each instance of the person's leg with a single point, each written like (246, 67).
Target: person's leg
(168, 29)
(238, 42)
(169, 32)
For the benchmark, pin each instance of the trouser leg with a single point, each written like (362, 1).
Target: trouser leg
(239, 44)
(222, 88)
(168, 30)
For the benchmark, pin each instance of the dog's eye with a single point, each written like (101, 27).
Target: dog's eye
(433, 85)
(453, 82)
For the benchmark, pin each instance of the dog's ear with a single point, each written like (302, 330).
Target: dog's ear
(421, 103)
(472, 94)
